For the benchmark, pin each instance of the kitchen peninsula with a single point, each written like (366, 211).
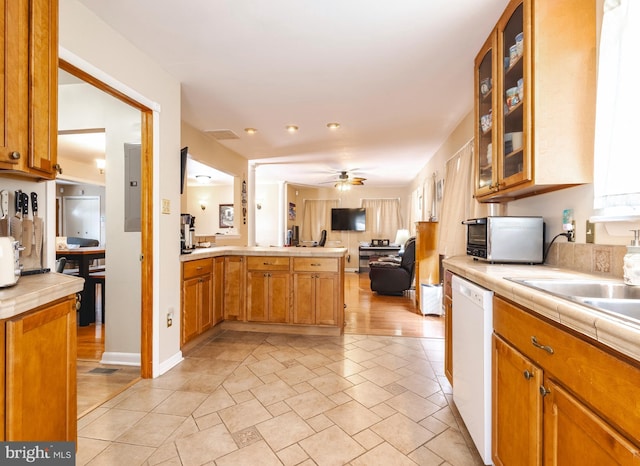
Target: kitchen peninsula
(38, 358)
(276, 289)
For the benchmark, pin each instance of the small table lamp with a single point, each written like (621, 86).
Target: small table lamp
(401, 237)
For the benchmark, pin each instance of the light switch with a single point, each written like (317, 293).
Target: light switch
(166, 206)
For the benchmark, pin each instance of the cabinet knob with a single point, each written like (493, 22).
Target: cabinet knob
(58, 168)
(544, 391)
(527, 375)
(15, 155)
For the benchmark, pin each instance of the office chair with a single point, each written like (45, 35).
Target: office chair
(323, 239)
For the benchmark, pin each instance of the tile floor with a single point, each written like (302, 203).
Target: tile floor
(245, 398)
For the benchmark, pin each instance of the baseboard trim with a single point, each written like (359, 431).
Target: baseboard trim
(167, 364)
(120, 359)
(280, 328)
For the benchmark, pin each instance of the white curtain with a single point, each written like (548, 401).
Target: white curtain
(383, 218)
(616, 162)
(458, 203)
(316, 217)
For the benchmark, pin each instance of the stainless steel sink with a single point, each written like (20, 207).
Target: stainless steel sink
(582, 288)
(608, 295)
(626, 307)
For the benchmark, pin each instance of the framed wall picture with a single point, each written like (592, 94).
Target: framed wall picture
(292, 211)
(226, 215)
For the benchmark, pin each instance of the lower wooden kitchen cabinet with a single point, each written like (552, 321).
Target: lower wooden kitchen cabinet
(38, 374)
(559, 398)
(316, 283)
(268, 289)
(234, 287)
(197, 298)
(448, 327)
(218, 290)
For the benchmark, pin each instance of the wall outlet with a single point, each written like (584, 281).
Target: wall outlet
(590, 232)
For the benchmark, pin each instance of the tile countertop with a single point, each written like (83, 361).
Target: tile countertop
(33, 291)
(203, 253)
(617, 332)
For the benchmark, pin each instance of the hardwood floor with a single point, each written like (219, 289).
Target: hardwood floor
(97, 382)
(367, 313)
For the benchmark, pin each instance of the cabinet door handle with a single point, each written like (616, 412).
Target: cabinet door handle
(15, 155)
(267, 263)
(534, 342)
(528, 375)
(315, 265)
(544, 391)
(58, 168)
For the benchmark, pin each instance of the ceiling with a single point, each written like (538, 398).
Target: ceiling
(398, 77)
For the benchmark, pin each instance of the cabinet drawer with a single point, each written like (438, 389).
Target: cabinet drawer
(315, 264)
(601, 379)
(195, 268)
(267, 263)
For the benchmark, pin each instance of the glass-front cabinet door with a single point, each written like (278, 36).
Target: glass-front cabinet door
(513, 105)
(485, 129)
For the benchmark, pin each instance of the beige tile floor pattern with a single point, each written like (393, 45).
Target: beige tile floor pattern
(245, 398)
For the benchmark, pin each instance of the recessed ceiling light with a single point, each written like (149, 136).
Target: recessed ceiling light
(292, 128)
(250, 130)
(333, 125)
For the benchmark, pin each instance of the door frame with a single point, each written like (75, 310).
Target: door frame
(146, 248)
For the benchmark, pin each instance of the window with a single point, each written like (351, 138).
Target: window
(616, 159)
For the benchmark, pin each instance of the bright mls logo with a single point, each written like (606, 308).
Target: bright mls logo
(38, 453)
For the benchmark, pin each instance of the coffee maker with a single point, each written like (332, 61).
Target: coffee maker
(187, 233)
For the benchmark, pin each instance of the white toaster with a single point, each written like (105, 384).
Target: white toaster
(9, 261)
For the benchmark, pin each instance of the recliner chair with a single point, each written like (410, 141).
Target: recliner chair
(393, 278)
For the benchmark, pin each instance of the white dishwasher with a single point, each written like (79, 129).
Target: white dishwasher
(472, 326)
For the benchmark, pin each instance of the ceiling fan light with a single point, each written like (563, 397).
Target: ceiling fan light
(343, 186)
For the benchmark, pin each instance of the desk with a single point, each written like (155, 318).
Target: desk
(84, 256)
(367, 253)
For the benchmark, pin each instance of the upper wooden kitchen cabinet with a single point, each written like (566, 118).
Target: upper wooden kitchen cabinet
(534, 94)
(317, 293)
(28, 95)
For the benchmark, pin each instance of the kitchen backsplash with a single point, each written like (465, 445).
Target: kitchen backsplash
(588, 258)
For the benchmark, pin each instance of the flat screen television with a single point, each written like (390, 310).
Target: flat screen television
(183, 167)
(343, 219)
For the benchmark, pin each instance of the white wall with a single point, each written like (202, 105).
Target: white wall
(267, 213)
(98, 49)
(207, 222)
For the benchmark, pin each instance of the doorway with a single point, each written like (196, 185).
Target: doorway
(145, 235)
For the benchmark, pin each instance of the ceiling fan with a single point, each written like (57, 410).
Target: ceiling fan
(344, 181)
